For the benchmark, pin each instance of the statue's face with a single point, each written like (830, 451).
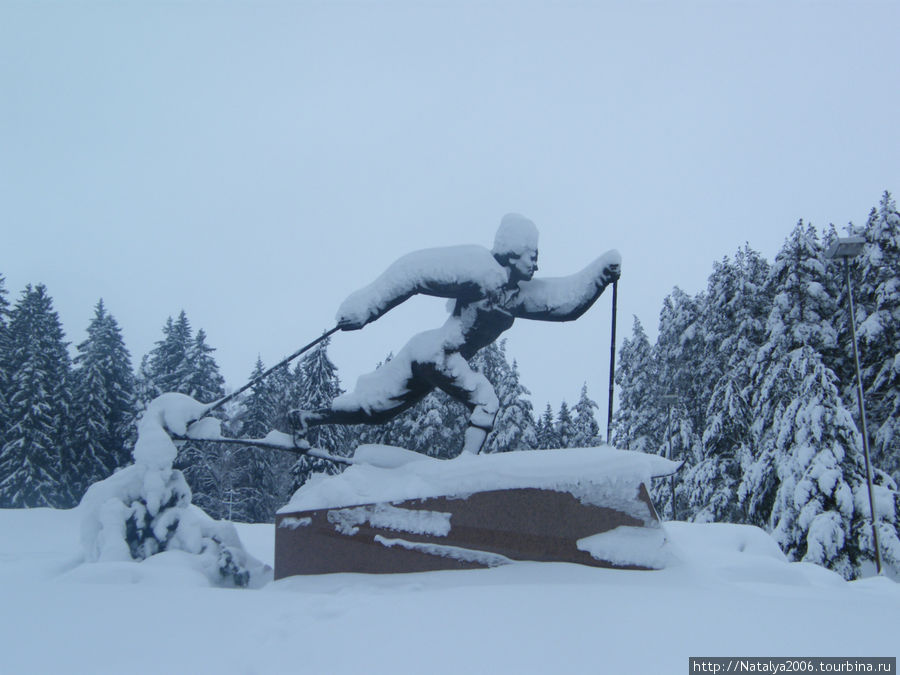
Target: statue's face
(524, 265)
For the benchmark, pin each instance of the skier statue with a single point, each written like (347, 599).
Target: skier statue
(491, 289)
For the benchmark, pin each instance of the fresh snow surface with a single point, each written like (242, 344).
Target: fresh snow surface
(387, 516)
(443, 271)
(599, 474)
(564, 294)
(515, 235)
(726, 591)
(153, 498)
(624, 545)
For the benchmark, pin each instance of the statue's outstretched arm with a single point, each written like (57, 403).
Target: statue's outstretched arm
(567, 298)
(462, 272)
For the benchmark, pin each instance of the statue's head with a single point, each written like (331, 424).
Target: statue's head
(516, 246)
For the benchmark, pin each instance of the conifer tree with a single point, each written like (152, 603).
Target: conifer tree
(707, 491)
(800, 317)
(816, 515)
(35, 459)
(565, 426)
(639, 420)
(514, 427)
(878, 302)
(215, 471)
(514, 424)
(168, 366)
(547, 437)
(182, 362)
(587, 431)
(538, 430)
(733, 328)
(679, 354)
(266, 472)
(103, 401)
(427, 427)
(318, 387)
(4, 351)
(204, 381)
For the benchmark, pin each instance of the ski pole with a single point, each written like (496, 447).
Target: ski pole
(215, 405)
(612, 361)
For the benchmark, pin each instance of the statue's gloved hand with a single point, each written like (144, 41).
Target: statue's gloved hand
(611, 273)
(348, 323)
(610, 267)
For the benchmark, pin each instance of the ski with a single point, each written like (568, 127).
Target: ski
(274, 440)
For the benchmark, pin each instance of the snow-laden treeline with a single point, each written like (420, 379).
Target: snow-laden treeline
(759, 365)
(758, 375)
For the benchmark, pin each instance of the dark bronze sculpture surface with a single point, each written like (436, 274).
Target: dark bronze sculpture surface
(490, 290)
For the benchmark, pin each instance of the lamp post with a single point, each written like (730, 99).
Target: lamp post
(669, 400)
(845, 248)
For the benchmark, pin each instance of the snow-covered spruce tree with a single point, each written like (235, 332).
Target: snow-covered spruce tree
(514, 428)
(547, 438)
(707, 491)
(586, 429)
(514, 424)
(213, 470)
(680, 354)
(319, 385)
(35, 460)
(167, 367)
(820, 512)
(103, 402)
(4, 351)
(146, 509)
(204, 381)
(428, 427)
(877, 297)
(734, 317)
(639, 420)
(800, 316)
(565, 426)
(806, 479)
(283, 384)
(266, 472)
(734, 314)
(182, 362)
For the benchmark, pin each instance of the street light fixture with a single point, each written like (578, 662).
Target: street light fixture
(845, 248)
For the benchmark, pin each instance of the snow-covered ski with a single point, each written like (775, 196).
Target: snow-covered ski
(274, 440)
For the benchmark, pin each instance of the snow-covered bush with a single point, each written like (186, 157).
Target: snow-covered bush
(146, 507)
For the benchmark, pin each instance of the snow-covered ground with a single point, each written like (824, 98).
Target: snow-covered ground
(728, 592)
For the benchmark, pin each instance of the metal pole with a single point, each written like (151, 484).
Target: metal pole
(862, 413)
(215, 405)
(612, 362)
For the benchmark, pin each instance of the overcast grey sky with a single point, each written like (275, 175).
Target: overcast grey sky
(254, 163)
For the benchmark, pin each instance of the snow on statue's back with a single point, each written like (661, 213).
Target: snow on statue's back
(452, 272)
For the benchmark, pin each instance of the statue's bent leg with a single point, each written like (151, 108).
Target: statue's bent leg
(473, 389)
(379, 397)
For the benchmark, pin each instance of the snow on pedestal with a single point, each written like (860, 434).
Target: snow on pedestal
(404, 512)
(145, 508)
